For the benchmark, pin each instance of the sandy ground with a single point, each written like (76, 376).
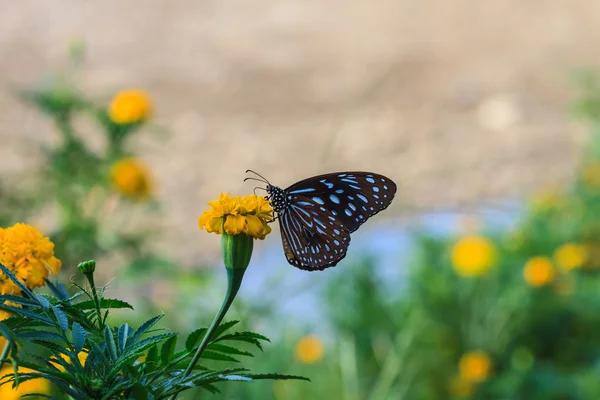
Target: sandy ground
(459, 101)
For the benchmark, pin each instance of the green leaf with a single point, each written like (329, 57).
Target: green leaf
(98, 353)
(111, 347)
(26, 313)
(144, 328)
(236, 378)
(41, 335)
(7, 332)
(24, 301)
(223, 327)
(104, 303)
(228, 349)
(123, 335)
(79, 335)
(61, 318)
(136, 351)
(43, 301)
(167, 350)
(152, 355)
(277, 377)
(240, 337)
(17, 282)
(194, 338)
(211, 355)
(58, 290)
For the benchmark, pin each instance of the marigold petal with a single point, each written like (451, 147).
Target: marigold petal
(215, 225)
(235, 224)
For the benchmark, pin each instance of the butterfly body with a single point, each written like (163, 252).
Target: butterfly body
(317, 215)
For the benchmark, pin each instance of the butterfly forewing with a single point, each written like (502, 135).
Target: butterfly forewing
(351, 197)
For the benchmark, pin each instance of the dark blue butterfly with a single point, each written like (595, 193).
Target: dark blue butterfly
(317, 215)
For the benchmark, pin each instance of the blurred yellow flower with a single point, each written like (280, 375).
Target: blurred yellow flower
(546, 199)
(590, 175)
(246, 214)
(475, 367)
(570, 256)
(461, 388)
(130, 106)
(538, 271)
(27, 254)
(473, 255)
(309, 349)
(38, 385)
(82, 356)
(131, 177)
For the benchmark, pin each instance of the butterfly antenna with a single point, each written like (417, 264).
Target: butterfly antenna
(257, 174)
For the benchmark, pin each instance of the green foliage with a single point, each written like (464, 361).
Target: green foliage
(122, 362)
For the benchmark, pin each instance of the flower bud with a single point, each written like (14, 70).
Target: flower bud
(237, 250)
(87, 267)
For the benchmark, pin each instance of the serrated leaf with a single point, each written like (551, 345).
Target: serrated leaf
(152, 355)
(167, 350)
(122, 337)
(26, 313)
(104, 303)
(136, 351)
(7, 332)
(111, 347)
(236, 378)
(240, 338)
(276, 376)
(194, 338)
(17, 282)
(98, 353)
(71, 298)
(43, 301)
(42, 335)
(24, 301)
(144, 328)
(38, 395)
(79, 335)
(58, 290)
(222, 348)
(211, 355)
(223, 328)
(61, 317)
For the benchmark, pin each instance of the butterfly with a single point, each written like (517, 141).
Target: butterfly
(317, 215)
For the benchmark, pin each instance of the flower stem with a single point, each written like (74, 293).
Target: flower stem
(234, 281)
(90, 278)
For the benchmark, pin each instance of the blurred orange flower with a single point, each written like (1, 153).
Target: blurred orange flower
(309, 349)
(475, 367)
(130, 106)
(538, 271)
(132, 178)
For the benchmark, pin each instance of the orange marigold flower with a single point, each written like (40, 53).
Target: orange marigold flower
(28, 255)
(237, 215)
(538, 271)
(309, 349)
(475, 367)
(131, 177)
(473, 255)
(130, 106)
(570, 256)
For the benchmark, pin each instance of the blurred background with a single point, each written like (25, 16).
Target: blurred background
(469, 107)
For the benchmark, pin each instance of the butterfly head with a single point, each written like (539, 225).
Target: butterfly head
(277, 198)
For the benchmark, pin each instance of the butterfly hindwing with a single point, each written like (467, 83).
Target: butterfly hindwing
(312, 239)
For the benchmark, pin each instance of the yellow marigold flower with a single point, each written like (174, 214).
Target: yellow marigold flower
(27, 254)
(130, 106)
(570, 256)
(309, 349)
(131, 177)
(475, 367)
(473, 255)
(590, 175)
(83, 355)
(538, 271)
(236, 215)
(461, 388)
(38, 385)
